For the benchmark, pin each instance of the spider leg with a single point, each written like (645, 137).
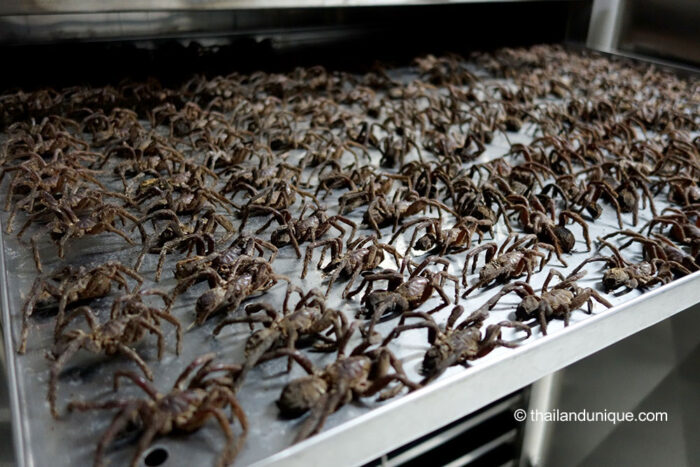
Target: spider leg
(35, 253)
(120, 421)
(144, 441)
(132, 355)
(56, 368)
(320, 412)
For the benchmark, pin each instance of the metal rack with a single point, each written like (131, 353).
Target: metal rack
(356, 441)
(360, 433)
(20, 7)
(453, 397)
(357, 434)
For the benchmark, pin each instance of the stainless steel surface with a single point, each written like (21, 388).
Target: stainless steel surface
(535, 437)
(182, 22)
(6, 446)
(662, 28)
(482, 450)
(434, 442)
(356, 434)
(666, 29)
(655, 370)
(25, 7)
(491, 378)
(604, 25)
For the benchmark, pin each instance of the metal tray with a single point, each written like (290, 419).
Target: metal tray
(21, 7)
(359, 432)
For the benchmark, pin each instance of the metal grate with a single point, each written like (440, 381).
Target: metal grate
(488, 437)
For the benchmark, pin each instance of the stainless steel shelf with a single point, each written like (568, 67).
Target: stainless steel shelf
(356, 434)
(386, 428)
(41, 7)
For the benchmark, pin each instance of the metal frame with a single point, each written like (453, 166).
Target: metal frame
(389, 426)
(40, 7)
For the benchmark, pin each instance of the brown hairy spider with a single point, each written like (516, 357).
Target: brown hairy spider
(683, 190)
(247, 276)
(394, 149)
(585, 195)
(180, 197)
(341, 178)
(376, 186)
(223, 261)
(301, 230)
(622, 273)
(70, 285)
(359, 257)
(423, 177)
(130, 320)
(508, 263)
(36, 176)
(627, 196)
(455, 345)
(382, 213)
(558, 302)
(186, 408)
(660, 247)
(361, 374)
(185, 237)
(309, 318)
(77, 215)
(534, 219)
(404, 295)
(683, 230)
(330, 151)
(279, 196)
(454, 240)
(254, 179)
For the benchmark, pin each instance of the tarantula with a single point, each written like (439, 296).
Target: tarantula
(682, 228)
(279, 196)
(456, 239)
(341, 178)
(361, 374)
(382, 213)
(455, 345)
(247, 276)
(627, 196)
(363, 254)
(374, 186)
(129, 322)
(254, 179)
(536, 221)
(622, 273)
(176, 235)
(70, 285)
(186, 408)
(296, 231)
(223, 261)
(659, 247)
(404, 295)
(74, 216)
(309, 318)
(36, 176)
(510, 263)
(559, 302)
(182, 197)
